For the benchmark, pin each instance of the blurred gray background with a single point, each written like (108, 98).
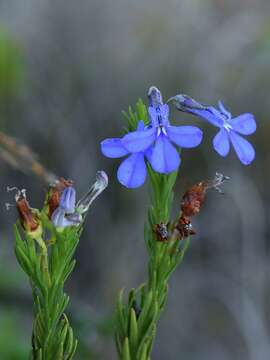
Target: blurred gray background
(67, 69)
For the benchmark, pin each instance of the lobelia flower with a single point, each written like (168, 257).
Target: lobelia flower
(231, 128)
(68, 213)
(159, 136)
(153, 142)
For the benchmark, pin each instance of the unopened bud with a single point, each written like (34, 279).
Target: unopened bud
(185, 103)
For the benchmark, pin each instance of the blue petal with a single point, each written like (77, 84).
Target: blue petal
(68, 199)
(113, 148)
(138, 141)
(185, 136)
(132, 172)
(221, 142)
(243, 148)
(245, 124)
(148, 153)
(140, 126)
(165, 157)
(210, 114)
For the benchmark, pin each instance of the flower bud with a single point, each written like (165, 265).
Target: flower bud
(186, 103)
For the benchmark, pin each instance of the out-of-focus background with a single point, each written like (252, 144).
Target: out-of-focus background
(67, 69)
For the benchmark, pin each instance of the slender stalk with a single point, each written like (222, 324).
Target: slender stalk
(48, 266)
(137, 320)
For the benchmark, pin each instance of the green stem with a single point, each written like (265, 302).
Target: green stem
(135, 335)
(52, 336)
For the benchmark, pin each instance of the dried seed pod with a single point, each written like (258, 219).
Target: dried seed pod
(29, 217)
(185, 227)
(193, 199)
(192, 202)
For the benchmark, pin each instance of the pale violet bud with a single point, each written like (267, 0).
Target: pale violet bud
(100, 185)
(185, 103)
(155, 97)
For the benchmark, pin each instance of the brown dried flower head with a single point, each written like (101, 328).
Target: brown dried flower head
(28, 217)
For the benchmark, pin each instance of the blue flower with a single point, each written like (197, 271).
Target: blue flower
(159, 136)
(231, 128)
(153, 142)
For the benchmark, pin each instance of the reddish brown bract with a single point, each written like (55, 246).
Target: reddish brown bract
(55, 194)
(193, 199)
(28, 218)
(184, 227)
(192, 202)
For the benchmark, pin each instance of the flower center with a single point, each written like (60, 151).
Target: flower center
(227, 126)
(161, 129)
(160, 123)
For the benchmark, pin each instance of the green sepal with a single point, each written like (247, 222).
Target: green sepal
(60, 352)
(133, 117)
(121, 316)
(133, 331)
(48, 262)
(145, 312)
(126, 351)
